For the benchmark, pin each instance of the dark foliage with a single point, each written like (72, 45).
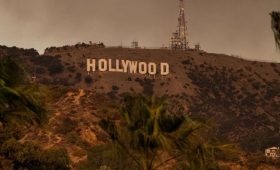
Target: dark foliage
(32, 157)
(18, 102)
(88, 80)
(148, 128)
(78, 77)
(40, 70)
(14, 51)
(147, 84)
(275, 25)
(115, 88)
(220, 96)
(52, 63)
(72, 69)
(68, 125)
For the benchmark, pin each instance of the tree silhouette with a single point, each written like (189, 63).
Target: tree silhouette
(275, 25)
(153, 137)
(18, 103)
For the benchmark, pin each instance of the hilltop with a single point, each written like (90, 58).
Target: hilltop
(240, 98)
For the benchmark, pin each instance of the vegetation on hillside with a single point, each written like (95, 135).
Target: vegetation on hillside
(20, 106)
(241, 99)
(150, 137)
(19, 102)
(31, 156)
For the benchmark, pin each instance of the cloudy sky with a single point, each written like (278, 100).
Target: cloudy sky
(234, 27)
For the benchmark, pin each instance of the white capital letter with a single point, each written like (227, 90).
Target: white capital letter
(152, 68)
(110, 66)
(125, 64)
(90, 65)
(164, 69)
(142, 68)
(102, 65)
(118, 69)
(133, 66)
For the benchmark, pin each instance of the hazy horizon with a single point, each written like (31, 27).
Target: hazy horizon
(233, 27)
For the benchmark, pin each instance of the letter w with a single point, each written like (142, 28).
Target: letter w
(133, 66)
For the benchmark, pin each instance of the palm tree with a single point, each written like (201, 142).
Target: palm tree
(275, 25)
(153, 137)
(19, 105)
(18, 102)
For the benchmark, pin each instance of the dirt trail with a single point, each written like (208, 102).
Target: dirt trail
(77, 98)
(76, 159)
(50, 137)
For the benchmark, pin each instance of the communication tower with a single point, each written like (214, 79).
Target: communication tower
(179, 38)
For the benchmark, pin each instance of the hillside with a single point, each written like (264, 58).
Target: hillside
(239, 98)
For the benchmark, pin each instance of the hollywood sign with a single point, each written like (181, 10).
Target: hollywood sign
(127, 66)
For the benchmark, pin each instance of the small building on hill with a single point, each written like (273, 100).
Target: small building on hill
(273, 152)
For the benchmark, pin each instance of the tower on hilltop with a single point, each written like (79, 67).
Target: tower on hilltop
(179, 38)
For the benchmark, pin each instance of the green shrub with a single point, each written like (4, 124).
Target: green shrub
(72, 69)
(101, 155)
(40, 70)
(115, 88)
(88, 80)
(78, 77)
(68, 125)
(32, 157)
(53, 63)
(55, 69)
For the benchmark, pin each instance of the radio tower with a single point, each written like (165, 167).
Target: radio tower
(179, 38)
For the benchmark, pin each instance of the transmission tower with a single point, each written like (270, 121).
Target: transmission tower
(179, 38)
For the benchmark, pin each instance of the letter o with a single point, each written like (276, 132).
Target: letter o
(152, 68)
(142, 68)
(102, 65)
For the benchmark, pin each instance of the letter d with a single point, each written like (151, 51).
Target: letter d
(164, 69)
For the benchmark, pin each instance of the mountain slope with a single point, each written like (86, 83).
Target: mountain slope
(240, 98)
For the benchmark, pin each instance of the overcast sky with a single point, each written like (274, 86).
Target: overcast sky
(234, 27)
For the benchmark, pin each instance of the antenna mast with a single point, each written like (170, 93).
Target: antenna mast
(179, 38)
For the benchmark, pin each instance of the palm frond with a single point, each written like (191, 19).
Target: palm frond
(148, 127)
(275, 25)
(18, 101)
